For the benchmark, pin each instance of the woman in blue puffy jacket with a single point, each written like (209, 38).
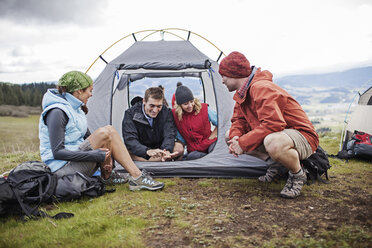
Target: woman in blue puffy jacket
(66, 144)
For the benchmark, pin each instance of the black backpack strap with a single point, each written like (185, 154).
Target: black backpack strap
(50, 187)
(326, 175)
(312, 179)
(29, 211)
(41, 214)
(35, 213)
(62, 215)
(322, 180)
(41, 194)
(332, 155)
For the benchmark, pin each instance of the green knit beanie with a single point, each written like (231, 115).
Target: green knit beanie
(75, 80)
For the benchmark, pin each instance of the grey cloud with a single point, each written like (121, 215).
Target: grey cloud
(81, 12)
(368, 2)
(21, 65)
(354, 2)
(21, 51)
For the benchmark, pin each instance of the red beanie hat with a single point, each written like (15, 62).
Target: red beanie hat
(235, 65)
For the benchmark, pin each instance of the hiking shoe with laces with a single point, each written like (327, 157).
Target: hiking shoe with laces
(117, 178)
(145, 181)
(272, 173)
(295, 182)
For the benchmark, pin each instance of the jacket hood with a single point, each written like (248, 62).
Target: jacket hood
(262, 75)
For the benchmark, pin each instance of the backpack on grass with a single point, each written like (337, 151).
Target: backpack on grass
(359, 146)
(26, 187)
(317, 165)
(75, 186)
(32, 183)
(8, 200)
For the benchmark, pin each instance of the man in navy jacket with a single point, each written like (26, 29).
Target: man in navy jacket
(148, 128)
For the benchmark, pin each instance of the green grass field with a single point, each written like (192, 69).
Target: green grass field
(198, 212)
(19, 134)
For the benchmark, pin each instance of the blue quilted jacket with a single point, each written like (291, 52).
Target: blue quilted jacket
(75, 129)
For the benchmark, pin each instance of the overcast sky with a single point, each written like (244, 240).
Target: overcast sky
(42, 39)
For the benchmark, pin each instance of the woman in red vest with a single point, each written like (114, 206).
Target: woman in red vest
(193, 120)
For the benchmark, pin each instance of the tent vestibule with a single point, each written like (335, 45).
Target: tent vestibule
(170, 59)
(361, 118)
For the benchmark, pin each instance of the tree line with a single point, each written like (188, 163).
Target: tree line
(24, 94)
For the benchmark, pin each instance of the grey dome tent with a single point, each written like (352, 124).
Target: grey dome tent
(361, 118)
(152, 60)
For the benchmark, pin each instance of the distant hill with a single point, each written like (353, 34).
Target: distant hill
(327, 88)
(309, 89)
(349, 79)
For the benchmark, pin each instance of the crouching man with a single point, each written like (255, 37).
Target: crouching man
(148, 129)
(267, 122)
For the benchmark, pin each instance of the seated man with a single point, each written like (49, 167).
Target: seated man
(148, 129)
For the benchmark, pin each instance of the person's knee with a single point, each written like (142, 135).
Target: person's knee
(110, 129)
(273, 144)
(105, 133)
(178, 147)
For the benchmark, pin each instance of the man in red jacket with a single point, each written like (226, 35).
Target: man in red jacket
(267, 122)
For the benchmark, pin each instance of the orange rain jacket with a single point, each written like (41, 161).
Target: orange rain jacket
(266, 108)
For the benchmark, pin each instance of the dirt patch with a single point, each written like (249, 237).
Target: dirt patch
(246, 213)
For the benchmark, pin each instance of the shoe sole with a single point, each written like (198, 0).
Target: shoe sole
(140, 187)
(288, 197)
(115, 183)
(275, 179)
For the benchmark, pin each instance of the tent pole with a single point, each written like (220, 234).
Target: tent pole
(219, 56)
(343, 134)
(100, 56)
(155, 31)
(134, 37)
